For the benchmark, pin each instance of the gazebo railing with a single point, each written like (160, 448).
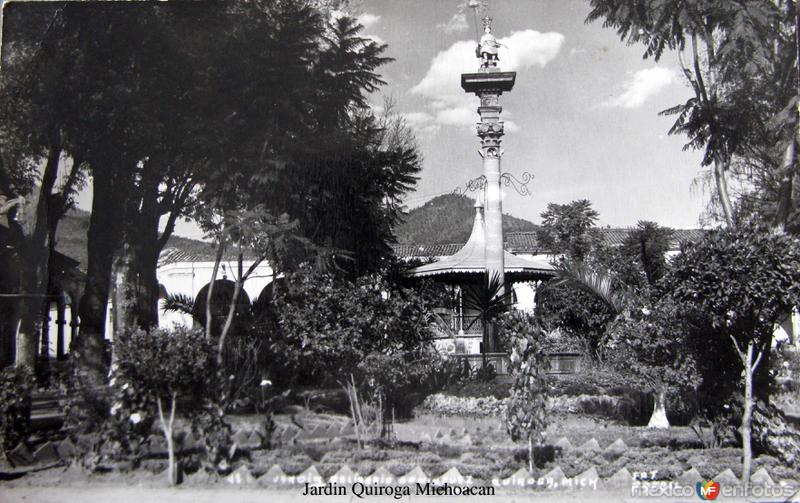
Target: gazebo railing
(560, 363)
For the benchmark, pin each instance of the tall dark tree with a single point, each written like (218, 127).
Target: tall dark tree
(740, 60)
(36, 178)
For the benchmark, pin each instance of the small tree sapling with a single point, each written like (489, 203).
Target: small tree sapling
(526, 415)
(161, 368)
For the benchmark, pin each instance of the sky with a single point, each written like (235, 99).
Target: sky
(583, 117)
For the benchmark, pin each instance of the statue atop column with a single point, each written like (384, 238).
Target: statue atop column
(488, 46)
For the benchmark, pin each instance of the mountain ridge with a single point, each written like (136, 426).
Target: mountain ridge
(448, 219)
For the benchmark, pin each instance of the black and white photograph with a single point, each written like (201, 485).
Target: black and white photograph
(399, 250)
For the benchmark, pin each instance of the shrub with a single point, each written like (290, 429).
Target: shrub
(402, 377)
(15, 406)
(463, 406)
(157, 371)
(327, 326)
(478, 389)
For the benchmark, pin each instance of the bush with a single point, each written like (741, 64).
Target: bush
(463, 406)
(15, 406)
(403, 378)
(327, 326)
(155, 374)
(478, 389)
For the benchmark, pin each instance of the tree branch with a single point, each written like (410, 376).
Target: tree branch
(739, 351)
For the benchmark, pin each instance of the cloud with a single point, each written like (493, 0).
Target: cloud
(510, 126)
(441, 85)
(460, 116)
(641, 86)
(366, 19)
(423, 124)
(455, 24)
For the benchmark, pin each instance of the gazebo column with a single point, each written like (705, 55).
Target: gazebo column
(61, 321)
(74, 322)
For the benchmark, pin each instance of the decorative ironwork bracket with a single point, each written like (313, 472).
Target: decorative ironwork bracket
(521, 186)
(509, 180)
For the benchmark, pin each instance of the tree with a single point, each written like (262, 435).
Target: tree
(526, 415)
(159, 369)
(567, 229)
(744, 280)
(742, 68)
(326, 325)
(651, 344)
(647, 246)
(35, 174)
(568, 233)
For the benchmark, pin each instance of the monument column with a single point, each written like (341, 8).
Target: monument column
(488, 84)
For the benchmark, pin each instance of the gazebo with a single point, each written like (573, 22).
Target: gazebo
(470, 261)
(458, 329)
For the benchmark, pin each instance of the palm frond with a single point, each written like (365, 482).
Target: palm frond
(489, 298)
(599, 284)
(178, 303)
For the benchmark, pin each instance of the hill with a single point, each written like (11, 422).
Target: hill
(71, 237)
(448, 219)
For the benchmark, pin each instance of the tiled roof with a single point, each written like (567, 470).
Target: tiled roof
(526, 242)
(189, 250)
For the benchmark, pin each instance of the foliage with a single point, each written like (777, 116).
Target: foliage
(566, 303)
(602, 285)
(403, 377)
(567, 229)
(159, 369)
(526, 416)
(489, 299)
(15, 406)
(579, 314)
(708, 278)
(742, 314)
(326, 326)
(465, 406)
(646, 248)
(652, 346)
(742, 68)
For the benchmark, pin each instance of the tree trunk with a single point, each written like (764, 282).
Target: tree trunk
(124, 291)
(167, 429)
(34, 253)
(530, 455)
(720, 168)
(237, 290)
(747, 414)
(659, 417)
(88, 349)
(210, 292)
(149, 248)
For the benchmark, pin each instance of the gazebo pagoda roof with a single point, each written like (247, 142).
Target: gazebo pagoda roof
(470, 260)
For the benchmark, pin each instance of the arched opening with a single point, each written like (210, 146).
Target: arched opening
(220, 304)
